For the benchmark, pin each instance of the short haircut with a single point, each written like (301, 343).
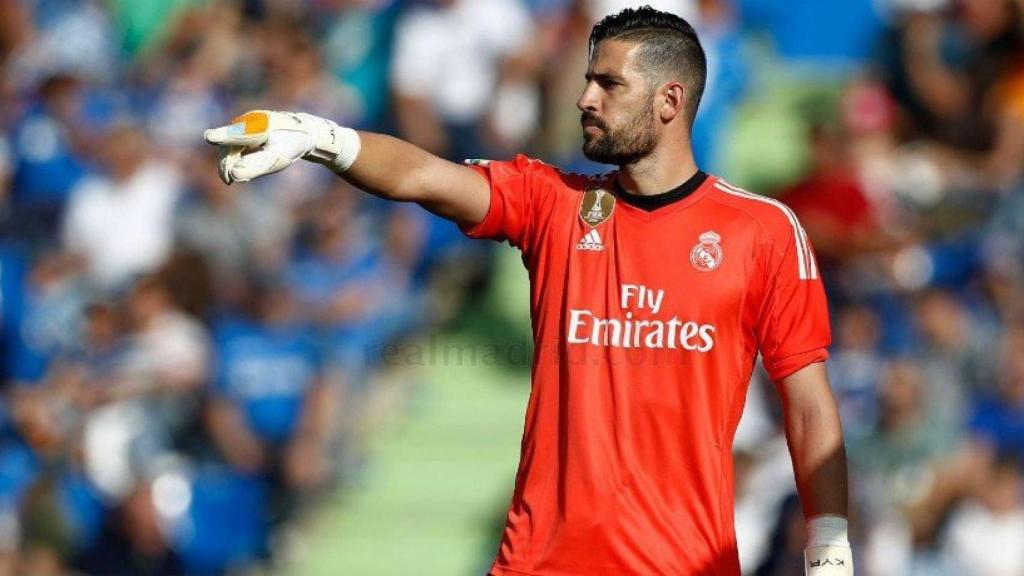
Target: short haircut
(669, 48)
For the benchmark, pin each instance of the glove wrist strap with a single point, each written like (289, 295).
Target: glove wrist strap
(333, 146)
(827, 530)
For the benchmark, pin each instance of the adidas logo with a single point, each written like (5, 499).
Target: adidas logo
(592, 241)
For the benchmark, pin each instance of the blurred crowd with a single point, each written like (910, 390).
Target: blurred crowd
(186, 366)
(903, 156)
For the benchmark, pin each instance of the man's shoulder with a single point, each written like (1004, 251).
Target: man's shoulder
(540, 171)
(776, 219)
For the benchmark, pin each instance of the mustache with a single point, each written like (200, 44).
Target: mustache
(588, 119)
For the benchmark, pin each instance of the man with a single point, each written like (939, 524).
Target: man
(653, 288)
(120, 222)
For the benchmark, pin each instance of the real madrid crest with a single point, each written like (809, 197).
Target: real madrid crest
(597, 206)
(707, 254)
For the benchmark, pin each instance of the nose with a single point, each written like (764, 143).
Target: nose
(588, 99)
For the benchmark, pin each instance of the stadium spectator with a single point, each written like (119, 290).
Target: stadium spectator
(43, 307)
(998, 417)
(354, 287)
(121, 223)
(450, 61)
(984, 533)
(47, 158)
(895, 466)
(237, 231)
(62, 36)
(947, 71)
(953, 352)
(856, 366)
(905, 442)
(271, 411)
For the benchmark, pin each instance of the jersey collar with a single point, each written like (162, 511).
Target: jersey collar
(652, 202)
(685, 200)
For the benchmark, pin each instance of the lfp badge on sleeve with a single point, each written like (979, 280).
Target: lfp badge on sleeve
(597, 206)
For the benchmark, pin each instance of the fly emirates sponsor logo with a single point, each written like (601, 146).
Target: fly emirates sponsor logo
(632, 332)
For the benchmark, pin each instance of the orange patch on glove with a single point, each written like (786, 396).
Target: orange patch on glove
(255, 122)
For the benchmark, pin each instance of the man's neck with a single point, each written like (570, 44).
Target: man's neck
(657, 172)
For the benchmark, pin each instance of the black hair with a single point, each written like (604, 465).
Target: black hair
(669, 49)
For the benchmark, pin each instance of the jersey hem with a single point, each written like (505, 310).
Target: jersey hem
(479, 230)
(787, 366)
(505, 571)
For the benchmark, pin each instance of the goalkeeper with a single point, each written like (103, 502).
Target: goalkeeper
(653, 289)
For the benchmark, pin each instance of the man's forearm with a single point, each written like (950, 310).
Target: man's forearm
(819, 460)
(392, 168)
(814, 433)
(397, 170)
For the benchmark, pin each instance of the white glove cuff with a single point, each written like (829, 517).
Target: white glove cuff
(333, 146)
(827, 530)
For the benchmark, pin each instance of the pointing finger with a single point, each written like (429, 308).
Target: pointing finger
(234, 135)
(249, 129)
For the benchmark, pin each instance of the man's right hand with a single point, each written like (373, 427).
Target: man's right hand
(263, 142)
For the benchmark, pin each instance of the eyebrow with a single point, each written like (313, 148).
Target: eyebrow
(604, 76)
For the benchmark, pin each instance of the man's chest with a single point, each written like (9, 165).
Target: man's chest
(688, 262)
(683, 280)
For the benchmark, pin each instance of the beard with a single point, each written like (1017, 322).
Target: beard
(621, 145)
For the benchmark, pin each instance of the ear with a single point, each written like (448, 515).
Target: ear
(672, 101)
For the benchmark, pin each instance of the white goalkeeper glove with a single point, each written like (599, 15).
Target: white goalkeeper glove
(828, 547)
(262, 142)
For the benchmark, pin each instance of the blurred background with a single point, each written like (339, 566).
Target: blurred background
(293, 377)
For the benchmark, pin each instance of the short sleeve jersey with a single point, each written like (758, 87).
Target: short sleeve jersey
(646, 327)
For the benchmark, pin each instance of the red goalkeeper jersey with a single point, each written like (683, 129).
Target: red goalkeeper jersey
(646, 325)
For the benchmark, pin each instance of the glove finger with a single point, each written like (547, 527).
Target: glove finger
(229, 156)
(234, 135)
(249, 129)
(257, 164)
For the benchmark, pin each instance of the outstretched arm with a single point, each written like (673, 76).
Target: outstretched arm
(397, 170)
(815, 437)
(263, 142)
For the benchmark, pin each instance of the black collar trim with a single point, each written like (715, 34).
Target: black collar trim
(655, 201)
